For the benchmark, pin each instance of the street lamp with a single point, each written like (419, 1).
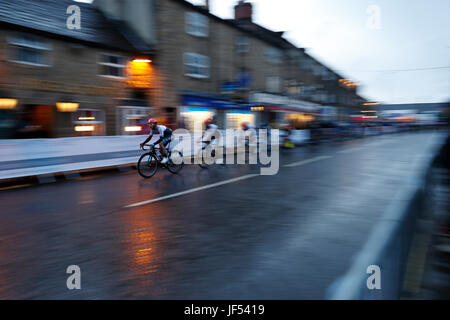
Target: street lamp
(139, 73)
(348, 84)
(142, 61)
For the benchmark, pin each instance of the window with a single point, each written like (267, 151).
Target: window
(112, 66)
(197, 24)
(242, 44)
(273, 84)
(30, 49)
(196, 65)
(274, 56)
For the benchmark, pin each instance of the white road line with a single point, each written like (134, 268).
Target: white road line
(300, 163)
(178, 194)
(351, 150)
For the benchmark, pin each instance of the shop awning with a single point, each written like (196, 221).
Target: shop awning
(194, 101)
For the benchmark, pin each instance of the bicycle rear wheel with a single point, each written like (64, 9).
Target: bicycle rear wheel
(203, 164)
(176, 162)
(208, 158)
(147, 165)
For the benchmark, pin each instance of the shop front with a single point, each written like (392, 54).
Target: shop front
(227, 114)
(132, 120)
(279, 111)
(54, 109)
(89, 122)
(235, 118)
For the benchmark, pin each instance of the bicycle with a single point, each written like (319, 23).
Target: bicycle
(150, 161)
(204, 154)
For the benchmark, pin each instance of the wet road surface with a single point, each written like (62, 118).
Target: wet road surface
(244, 236)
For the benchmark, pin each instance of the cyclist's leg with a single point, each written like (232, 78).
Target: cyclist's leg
(205, 144)
(162, 148)
(165, 141)
(213, 153)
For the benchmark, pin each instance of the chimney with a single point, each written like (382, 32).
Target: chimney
(243, 10)
(206, 5)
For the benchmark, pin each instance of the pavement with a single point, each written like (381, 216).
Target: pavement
(221, 233)
(428, 273)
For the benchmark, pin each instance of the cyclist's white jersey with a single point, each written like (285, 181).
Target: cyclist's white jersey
(160, 129)
(211, 131)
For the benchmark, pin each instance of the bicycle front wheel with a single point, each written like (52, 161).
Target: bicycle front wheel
(176, 162)
(147, 165)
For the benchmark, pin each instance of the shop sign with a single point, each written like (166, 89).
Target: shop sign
(259, 98)
(241, 84)
(191, 101)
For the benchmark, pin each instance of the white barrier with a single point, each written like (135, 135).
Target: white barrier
(35, 149)
(15, 150)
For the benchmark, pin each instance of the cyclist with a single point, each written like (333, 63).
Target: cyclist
(165, 136)
(253, 134)
(210, 132)
(247, 126)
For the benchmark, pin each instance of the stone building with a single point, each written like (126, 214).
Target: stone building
(170, 59)
(233, 70)
(96, 80)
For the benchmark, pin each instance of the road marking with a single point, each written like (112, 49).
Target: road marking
(351, 150)
(373, 144)
(300, 163)
(178, 194)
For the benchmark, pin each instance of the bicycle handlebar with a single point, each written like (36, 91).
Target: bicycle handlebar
(150, 147)
(147, 145)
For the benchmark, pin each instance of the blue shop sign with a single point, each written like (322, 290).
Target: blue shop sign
(243, 83)
(192, 101)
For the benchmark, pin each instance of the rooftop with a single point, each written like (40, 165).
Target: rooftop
(50, 16)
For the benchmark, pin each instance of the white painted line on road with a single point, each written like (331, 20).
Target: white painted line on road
(300, 163)
(351, 150)
(178, 194)
(367, 146)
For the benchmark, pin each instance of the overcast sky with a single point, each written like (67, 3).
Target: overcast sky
(411, 34)
(381, 54)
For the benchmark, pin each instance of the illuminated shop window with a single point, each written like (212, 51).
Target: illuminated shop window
(236, 118)
(133, 120)
(193, 118)
(90, 122)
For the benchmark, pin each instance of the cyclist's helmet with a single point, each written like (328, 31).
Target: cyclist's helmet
(244, 124)
(153, 121)
(208, 121)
